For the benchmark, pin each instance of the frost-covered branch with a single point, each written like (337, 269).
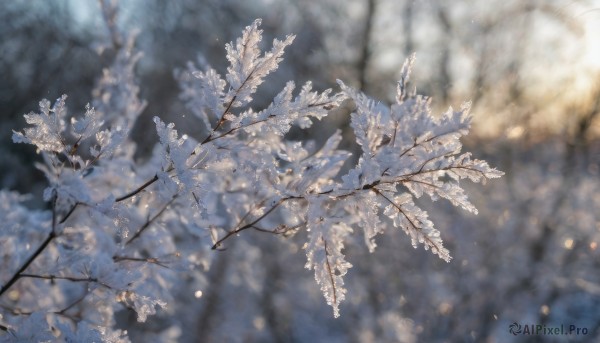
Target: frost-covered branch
(20, 272)
(121, 218)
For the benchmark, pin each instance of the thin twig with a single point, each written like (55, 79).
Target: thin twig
(70, 212)
(250, 225)
(147, 223)
(152, 260)
(67, 278)
(70, 306)
(222, 119)
(137, 190)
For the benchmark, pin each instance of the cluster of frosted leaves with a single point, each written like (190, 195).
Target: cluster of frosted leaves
(80, 259)
(46, 133)
(214, 99)
(241, 139)
(406, 152)
(247, 68)
(106, 242)
(64, 164)
(84, 161)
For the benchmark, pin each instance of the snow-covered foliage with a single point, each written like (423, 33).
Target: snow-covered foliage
(121, 234)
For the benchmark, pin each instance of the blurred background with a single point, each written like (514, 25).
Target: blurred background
(531, 69)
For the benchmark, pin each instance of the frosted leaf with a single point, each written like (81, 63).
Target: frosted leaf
(365, 121)
(415, 222)
(475, 170)
(48, 127)
(280, 107)
(456, 195)
(243, 55)
(202, 92)
(366, 209)
(108, 141)
(430, 184)
(284, 111)
(48, 134)
(280, 111)
(88, 125)
(313, 104)
(117, 212)
(247, 69)
(175, 155)
(368, 130)
(324, 252)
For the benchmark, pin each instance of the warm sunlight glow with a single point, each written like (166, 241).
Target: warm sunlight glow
(568, 243)
(591, 55)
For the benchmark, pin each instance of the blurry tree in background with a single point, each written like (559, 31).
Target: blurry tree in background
(43, 52)
(532, 71)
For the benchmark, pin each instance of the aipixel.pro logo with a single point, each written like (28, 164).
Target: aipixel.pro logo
(546, 330)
